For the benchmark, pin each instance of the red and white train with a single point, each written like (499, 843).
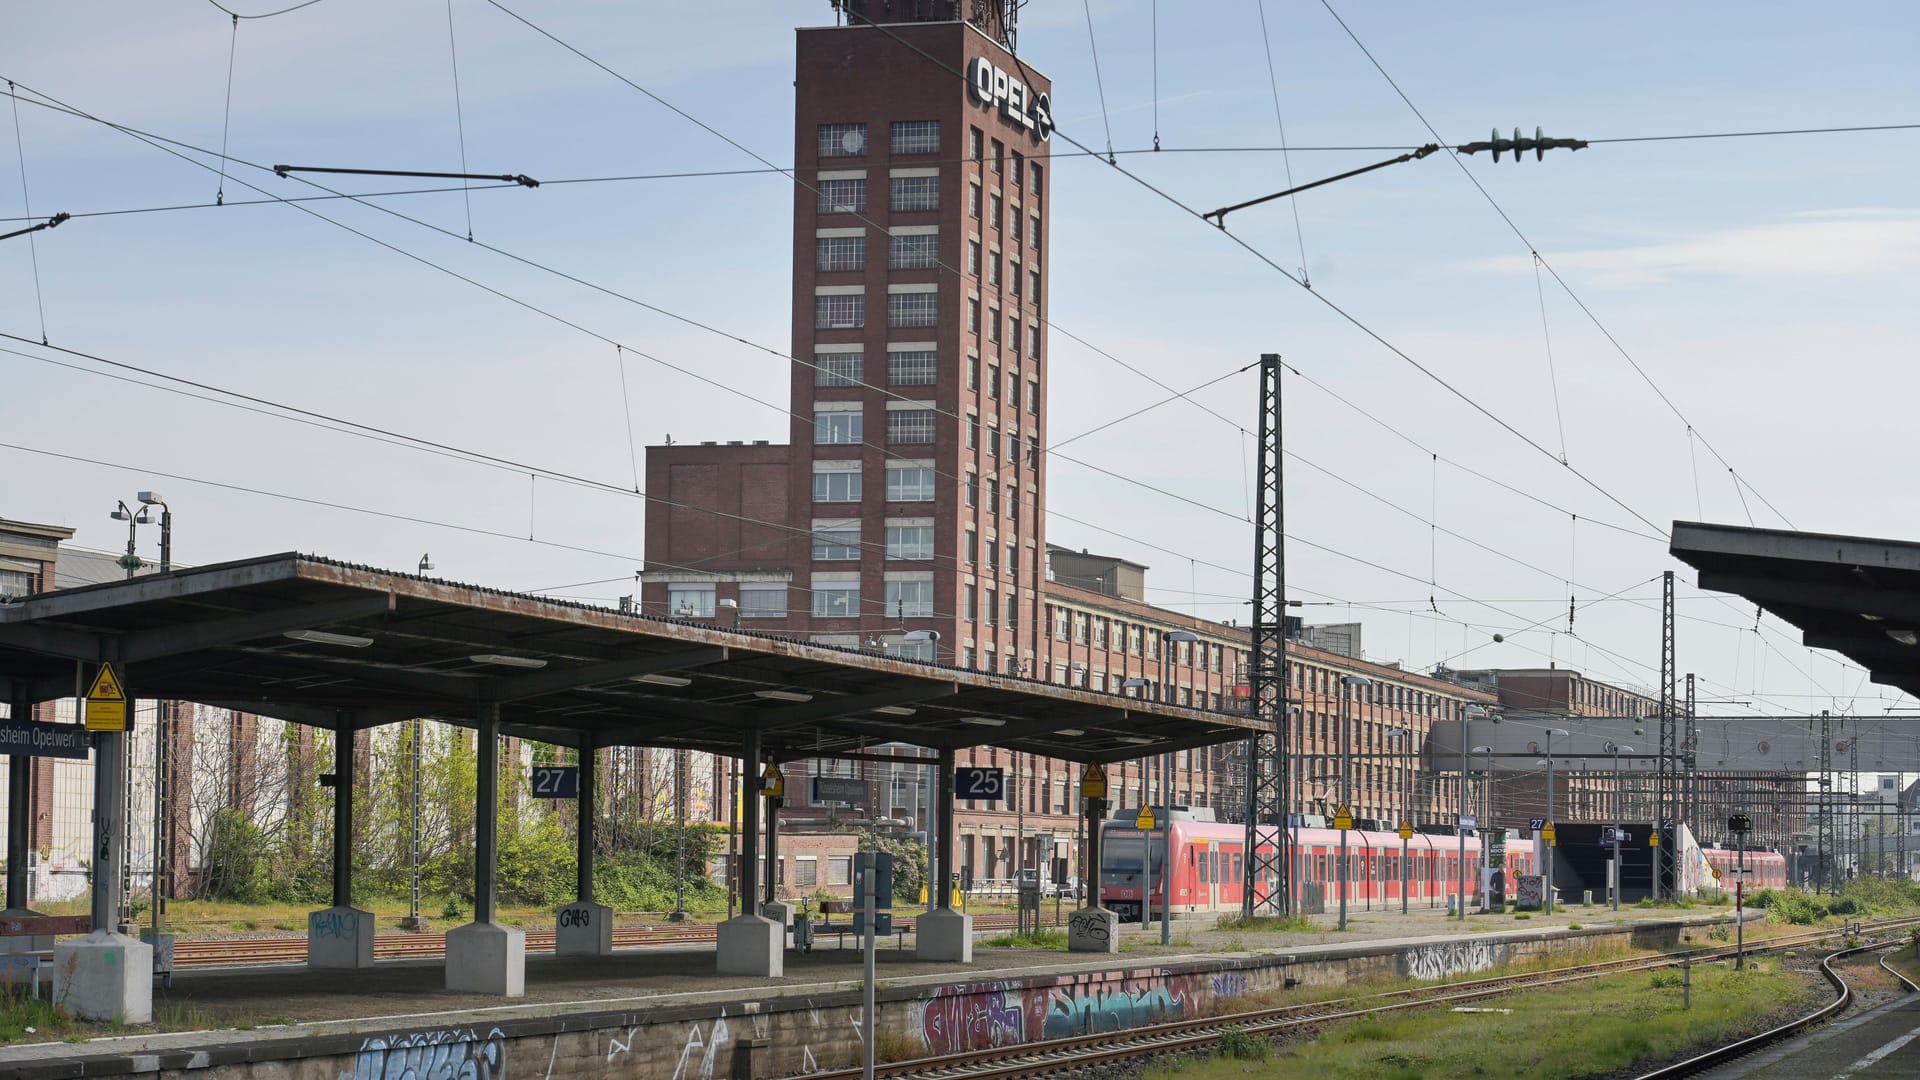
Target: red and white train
(1209, 866)
(1765, 869)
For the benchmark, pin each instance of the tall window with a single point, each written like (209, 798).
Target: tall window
(993, 325)
(837, 427)
(973, 257)
(836, 543)
(973, 489)
(913, 309)
(909, 541)
(973, 201)
(993, 381)
(836, 599)
(991, 607)
(969, 604)
(910, 367)
(15, 583)
(973, 144)
(1013, 513)
(1037, 177)
(1033, 235)
(842, 197)
(993, 269)
(973, 315)
(843, 140)
(840, 253)
(972, 546)
(760, 600)
(1013, 333)
(1033, 286)
(916, 136)
(1033, 451)
(910, 425)
(993, 439)
(999, 155)
(1013, 617)
(1013, 274)
(1019, 168)
(836, 483)
(996, 204)
(909, 193)
(911, 484)
(840, 311)
(920, 251)
(909, 599)
(838, 369)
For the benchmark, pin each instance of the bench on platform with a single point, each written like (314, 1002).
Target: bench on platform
(19, 967)
(901, 927)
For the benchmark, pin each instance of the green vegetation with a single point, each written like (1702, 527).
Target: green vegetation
(30, 1019)
(1860, 898)
(909, 864)
(1038, 939)
(1237, 1045)
(1269, 924)
(1623, 1020)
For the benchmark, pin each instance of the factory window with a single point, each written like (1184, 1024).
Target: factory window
(909, 193)
(843, 140)
(1060, 624)
(973, 315)
(844, 311)
(836, 543)
(991, 608)
(919, 251)
(916, 136)
(997, 204)
(1013, 333)
(973, 432)
(842, 197)
(993, 324)
(999, 155)
(973, 546)
(1033, 286)
(1033, 234)
(840, 253)
(993, 269)
(910, 425)
(690, 601)
(15, 583)
(973, 201)
(993, 381)
(910, 484)
(913, 309)
(973, 257)
(969, 605)
(837, 368)
(837, 427)
(763, 601)
(910, 367)
(973, 144)
(836, 483)
(910, 599)
(973, 489)
(1033, 451)
(1019, 167)
(836, 599)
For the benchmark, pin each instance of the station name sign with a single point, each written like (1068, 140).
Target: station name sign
(31, 738)
(1019, 103)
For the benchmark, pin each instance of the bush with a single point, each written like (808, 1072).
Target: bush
(909, 863)
(1235, 1043)
(235, 864)
(1662, 980)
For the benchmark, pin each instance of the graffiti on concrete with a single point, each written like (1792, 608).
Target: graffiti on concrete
(1089, 924)
(1109, 1001)
(451, 1054)
(971, 1016)
(334, 923)
(1452, 958)
(1229, 984)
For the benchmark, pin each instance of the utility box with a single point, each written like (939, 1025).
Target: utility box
(877, 865)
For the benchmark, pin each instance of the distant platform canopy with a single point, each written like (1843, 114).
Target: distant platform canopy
(1857, 596)
(337, 646)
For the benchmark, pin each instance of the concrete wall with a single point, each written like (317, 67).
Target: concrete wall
(778, 1036)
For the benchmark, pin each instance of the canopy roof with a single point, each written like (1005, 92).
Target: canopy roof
(333, 645)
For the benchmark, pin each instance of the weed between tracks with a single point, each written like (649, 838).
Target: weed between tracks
(1589, 1029)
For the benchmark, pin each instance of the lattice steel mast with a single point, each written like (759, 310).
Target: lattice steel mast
(1825, 859)
(1267, 753)
(1666, 780)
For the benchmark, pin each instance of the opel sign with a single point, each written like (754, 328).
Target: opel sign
(1019, 103)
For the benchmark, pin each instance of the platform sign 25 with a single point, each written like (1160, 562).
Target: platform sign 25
(556, 781)
(984, 785)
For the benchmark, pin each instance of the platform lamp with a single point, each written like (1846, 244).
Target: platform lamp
(931, 636)
(1467, 716)
(150, 499)
(1547, 854)
(1486, 805)
(1615, 748)
(134, 519)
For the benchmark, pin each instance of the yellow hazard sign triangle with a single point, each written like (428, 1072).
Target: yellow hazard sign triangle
(106, 686)
(106, 704)
(1093, 782)
(1145, 818)
(772, 783)
(1343, 818)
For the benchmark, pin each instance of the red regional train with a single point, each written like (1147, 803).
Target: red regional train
(1209, 875)
(1765, 869)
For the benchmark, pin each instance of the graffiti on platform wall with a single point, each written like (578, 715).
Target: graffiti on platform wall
(971, 1016)
(1108, 1001)
(1450, 959)
(450, 1054)
(1229, 984)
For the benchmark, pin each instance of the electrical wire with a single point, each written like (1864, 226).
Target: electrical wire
(266, 14)
(26, 199)
(1098, 83)
(459, 116)
(1286, 159)
(226, 120)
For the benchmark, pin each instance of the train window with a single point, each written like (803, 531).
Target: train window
(1238, 868)
(1204, 876)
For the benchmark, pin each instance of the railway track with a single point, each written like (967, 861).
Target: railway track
(1105, 1049)
(293, 950)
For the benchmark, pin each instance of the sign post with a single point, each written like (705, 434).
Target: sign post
(1406, 834)
(1738, 825)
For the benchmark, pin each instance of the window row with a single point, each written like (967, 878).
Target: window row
(909, 251)
(905, 195)
(848, 310)
(758, 600)
(985, 607)
(992, 442)
(840, 542)
(1019, 172)
(907, 137)
(997, 213)
(840, 599)
(1014, 327)
(837, 426)
(1027, 285)
(973, 550)
(835, 482)
(905, 367)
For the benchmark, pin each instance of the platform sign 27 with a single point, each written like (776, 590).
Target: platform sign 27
(984, 785)
(556, 781)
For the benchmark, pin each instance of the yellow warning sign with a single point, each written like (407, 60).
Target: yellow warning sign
(1343, 818)
(1716, 873)
(106, 701)
(1653, 837)
(1406, 830)
(1547, 834)
(1093, 782)
(772, 784)
(1145, 818)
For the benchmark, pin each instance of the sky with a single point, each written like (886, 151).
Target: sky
(1721, 330)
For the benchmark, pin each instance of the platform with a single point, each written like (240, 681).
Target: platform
(591, 1007)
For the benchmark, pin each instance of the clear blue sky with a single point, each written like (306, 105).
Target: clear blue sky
(1764, 285)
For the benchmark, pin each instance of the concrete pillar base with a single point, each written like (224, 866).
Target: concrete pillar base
(1093, 929)
(583, 929)
(779, 912)
(36, 943)
(485, 958)
(340, 937)
(104, 976)
(944, 935)
(751, 945)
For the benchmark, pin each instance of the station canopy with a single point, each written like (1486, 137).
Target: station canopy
(333, 645)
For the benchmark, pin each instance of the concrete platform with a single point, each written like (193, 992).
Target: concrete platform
(601, 1007)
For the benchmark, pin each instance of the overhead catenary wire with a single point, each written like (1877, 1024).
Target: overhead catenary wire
(226, 118)
(459, 115)
(26, 200)
(263, 14)
(1098, 83)
(1286, 159)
